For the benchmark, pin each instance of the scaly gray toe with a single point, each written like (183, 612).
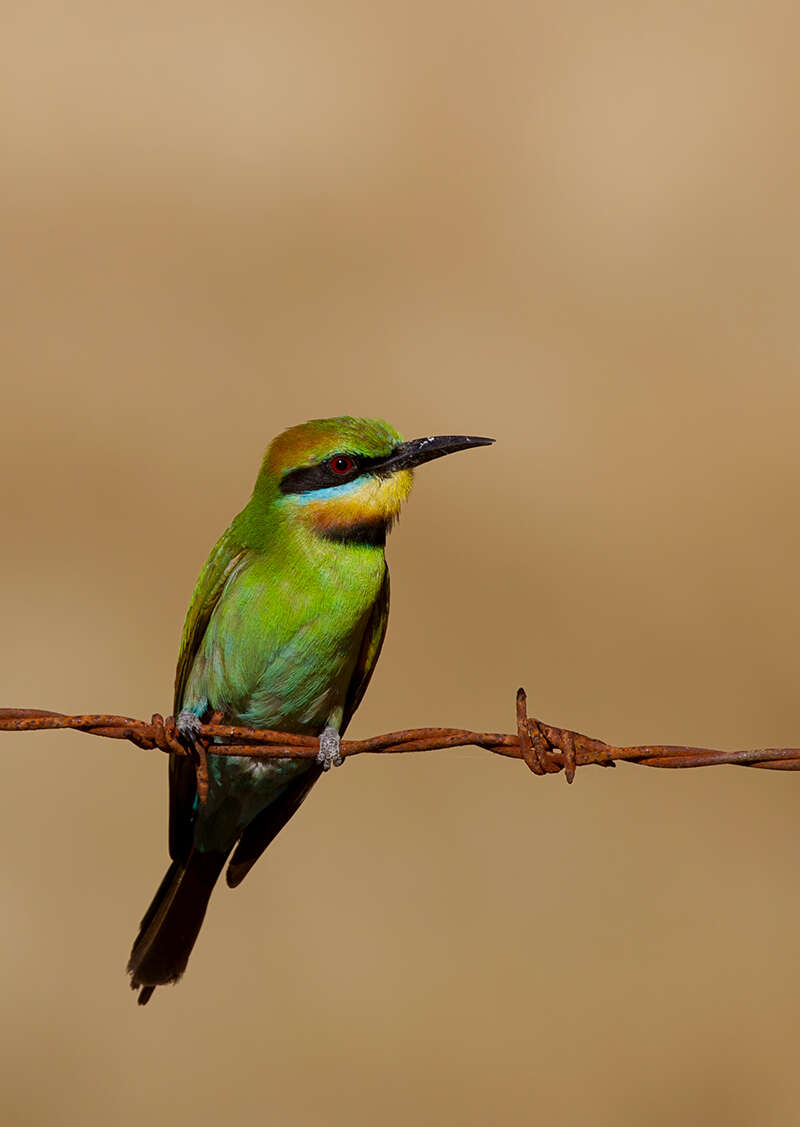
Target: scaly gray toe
(329, 754)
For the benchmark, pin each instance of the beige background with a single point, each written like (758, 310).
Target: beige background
(572, 226)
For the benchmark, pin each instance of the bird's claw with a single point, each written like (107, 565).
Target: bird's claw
(329, 754)
(188, 725)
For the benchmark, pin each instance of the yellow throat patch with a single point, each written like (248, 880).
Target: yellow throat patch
(371, 500)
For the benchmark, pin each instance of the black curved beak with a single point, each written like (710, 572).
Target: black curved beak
(420, 450)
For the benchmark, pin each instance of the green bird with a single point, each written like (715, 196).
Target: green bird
(283, 631)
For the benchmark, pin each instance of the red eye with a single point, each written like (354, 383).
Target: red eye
(342, 465)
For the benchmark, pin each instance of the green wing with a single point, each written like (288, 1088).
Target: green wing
(266, 825)
(226, 556)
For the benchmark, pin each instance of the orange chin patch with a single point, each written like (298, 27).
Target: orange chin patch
(375, 500)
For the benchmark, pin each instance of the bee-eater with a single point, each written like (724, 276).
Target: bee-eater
(283, 631)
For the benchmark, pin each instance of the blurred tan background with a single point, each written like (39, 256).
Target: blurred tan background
(568, 225)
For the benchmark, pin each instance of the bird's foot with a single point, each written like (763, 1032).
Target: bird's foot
(329, 754)
(188, 725)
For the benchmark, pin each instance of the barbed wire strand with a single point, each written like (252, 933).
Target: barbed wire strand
(545, 748)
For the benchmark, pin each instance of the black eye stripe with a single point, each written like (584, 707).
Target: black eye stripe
(323, 476)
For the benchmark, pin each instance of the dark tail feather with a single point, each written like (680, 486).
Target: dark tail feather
(268, 824)
(172, 922)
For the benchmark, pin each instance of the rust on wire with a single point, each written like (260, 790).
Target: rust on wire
(545, 748)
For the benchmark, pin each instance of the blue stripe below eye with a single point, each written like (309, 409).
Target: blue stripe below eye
(334, 492)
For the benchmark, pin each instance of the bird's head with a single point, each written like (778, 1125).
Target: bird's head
(345, 478)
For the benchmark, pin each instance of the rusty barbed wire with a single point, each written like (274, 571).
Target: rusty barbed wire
(545, 748)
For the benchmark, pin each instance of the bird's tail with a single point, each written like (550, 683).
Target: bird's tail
(172, 922)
